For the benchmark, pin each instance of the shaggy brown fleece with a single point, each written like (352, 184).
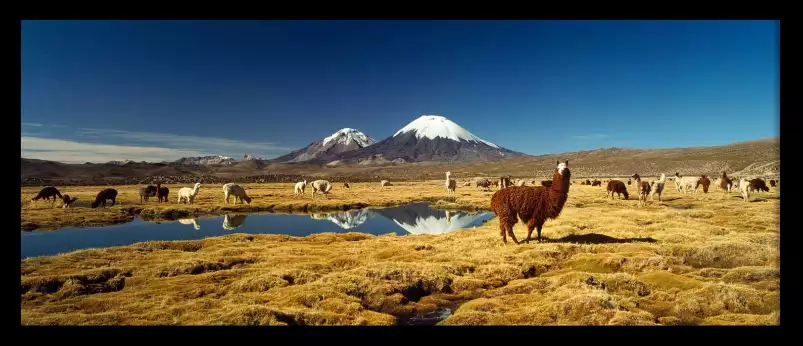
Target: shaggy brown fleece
(532, 204)
(705, 182)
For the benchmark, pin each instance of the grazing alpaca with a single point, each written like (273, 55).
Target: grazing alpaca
(451, 184)
(103, 196)
(705, 182)
(534, 205)
(161, 193)
(324, 187)
(68, 201)
(744, 188)
(384, 183)
(47, 192)
(658, 186)
(596, 183)
(347, 186)
(685, 183)
(485, 184)
(546, 183)
(298, 190)
(232, 189)
(772, 182)
(146, 192)
(588, 182)
(725, 183)
(758, 185)
(618, 187)
(644, 192)
(188, 194)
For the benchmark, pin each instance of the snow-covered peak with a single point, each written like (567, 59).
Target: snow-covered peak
(433, 126)
(347, 135)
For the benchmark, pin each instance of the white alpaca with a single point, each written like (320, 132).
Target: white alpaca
(188, 194)
(321, 186)
(686, 183)
(744, 188)
(232, 189)
(298, 190)
(385, 183)
(451, 184)
(658, 187)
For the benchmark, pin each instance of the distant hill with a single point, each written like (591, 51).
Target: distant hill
(757, 158)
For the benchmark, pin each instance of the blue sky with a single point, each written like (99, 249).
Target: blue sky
(159, 90)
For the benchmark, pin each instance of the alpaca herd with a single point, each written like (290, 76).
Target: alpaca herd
(513, 201)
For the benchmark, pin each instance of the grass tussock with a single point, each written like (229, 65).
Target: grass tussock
(689, 260)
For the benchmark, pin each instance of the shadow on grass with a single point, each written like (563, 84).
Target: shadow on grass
(595, 238)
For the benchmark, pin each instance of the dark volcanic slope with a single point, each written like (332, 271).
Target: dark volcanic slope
(343, 140)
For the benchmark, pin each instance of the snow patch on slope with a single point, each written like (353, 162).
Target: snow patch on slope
(347, 135)
(433, 126)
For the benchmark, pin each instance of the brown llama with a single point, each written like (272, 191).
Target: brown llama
(47, 192)
(596, 183)
(772, 182)
(161, 193)
(103, 196)
(705, 182)
(618, 187)
(758, 185)
(629, 182)
(588, 182)
(725, 183)
(347, 186)
(532, 204)
(646, 188)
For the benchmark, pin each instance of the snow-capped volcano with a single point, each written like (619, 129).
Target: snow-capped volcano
(427, 138)
(435, 126)
(344, 140)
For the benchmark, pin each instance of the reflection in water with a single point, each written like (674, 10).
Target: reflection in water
(402, 220)
(232, 221)
(350, 219)
(417, 218)
(191, 221)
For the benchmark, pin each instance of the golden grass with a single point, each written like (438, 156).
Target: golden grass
(701, 259)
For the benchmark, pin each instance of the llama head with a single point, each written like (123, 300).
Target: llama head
(197, 185)
(563, 166)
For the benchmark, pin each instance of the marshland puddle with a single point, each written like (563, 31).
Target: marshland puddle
(415, 218)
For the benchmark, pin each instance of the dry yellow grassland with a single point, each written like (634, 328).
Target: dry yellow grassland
(691, 259)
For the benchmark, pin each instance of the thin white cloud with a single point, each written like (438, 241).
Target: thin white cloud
(80, 152)
(102, 145)
(183, 141)
(591, 136)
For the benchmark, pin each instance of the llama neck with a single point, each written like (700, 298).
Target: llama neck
(662, 179)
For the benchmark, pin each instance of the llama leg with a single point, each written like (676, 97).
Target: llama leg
(512, 235)
(538, 227)
(530, 227)
(114, 201)
(502, 230)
